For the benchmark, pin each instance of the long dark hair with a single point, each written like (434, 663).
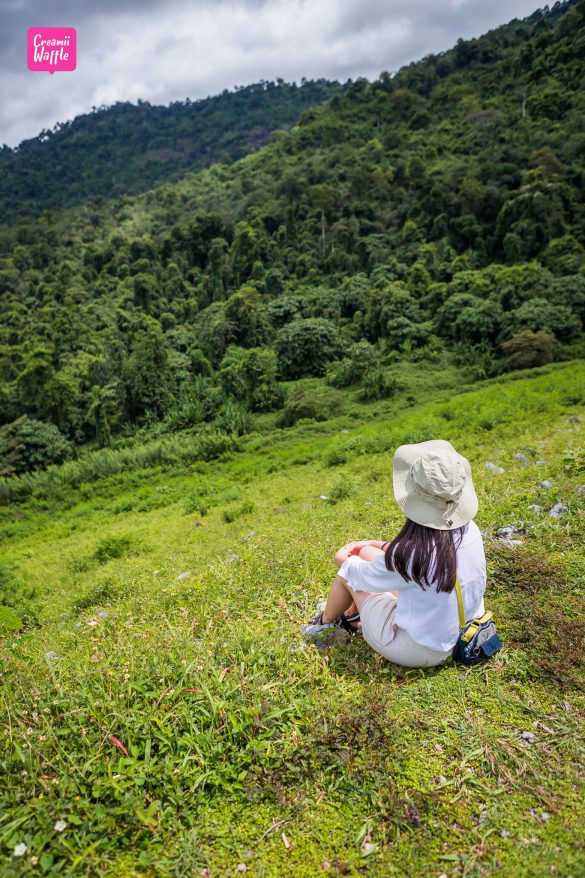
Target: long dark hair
(425, 554)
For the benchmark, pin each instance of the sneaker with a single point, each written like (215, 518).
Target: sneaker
(324, 634)
(355, 625)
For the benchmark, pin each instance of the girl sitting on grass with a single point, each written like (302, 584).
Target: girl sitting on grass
(403, 590)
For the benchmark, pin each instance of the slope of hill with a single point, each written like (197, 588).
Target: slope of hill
(436, 214)
(129, 148)
(161, 716)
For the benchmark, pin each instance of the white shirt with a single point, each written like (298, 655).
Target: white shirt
(430, 617)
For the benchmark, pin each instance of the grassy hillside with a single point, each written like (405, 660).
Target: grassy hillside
(159, 700)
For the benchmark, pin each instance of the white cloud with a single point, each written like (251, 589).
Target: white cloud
(163, 51)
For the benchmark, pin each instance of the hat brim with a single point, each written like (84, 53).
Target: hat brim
(427, 510)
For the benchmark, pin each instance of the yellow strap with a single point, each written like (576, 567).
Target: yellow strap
(471, 631)
(460, 603)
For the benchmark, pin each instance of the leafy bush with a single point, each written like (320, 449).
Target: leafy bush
(376, 384)
(27, 445)
(233, 419)
(305, 347)
(195, 403)
(195, 504)
(342, 488)
(343, 452)
(249, 376)
(235, 512)
(268, 397)
(308, 403)
(526, 349)
(188, 411)
(478, 359)
(362, 357)
(114, 547)
(9, 585)
(206, 445)
(401, 332)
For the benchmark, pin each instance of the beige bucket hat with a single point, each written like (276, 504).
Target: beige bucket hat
(433, 485)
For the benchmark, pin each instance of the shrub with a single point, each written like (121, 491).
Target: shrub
(406, 334)
(113, 547)
(9, 585)
(341, 489)
(188, 411)
(27, 445)
(337, 456)
(195, 402)
(343, 452)
(184, 447)
(233, 419)
(305, 347)
(362, 356)
(527, 349)
(268, 397)
(249, 376)
(478, 358)
(309, 403)
(377, 385)
(15, 611)
(235, 512)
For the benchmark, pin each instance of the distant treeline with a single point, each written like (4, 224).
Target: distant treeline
(128, 148)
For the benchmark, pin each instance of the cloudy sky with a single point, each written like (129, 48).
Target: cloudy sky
(166, 50)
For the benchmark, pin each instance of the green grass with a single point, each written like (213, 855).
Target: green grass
(173, 598)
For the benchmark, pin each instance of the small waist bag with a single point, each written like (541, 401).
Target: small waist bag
(478, 640)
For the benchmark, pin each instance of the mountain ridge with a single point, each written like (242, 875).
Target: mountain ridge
(127, 148)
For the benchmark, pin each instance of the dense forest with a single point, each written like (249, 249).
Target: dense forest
(434, 212)
(128, 148)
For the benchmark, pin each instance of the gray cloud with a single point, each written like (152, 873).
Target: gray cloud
(165, 50)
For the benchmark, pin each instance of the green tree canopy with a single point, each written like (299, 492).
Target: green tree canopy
(305, 347)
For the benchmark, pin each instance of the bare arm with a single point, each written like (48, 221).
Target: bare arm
(344, 551)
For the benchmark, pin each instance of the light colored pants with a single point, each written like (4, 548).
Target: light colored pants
(385, 637)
